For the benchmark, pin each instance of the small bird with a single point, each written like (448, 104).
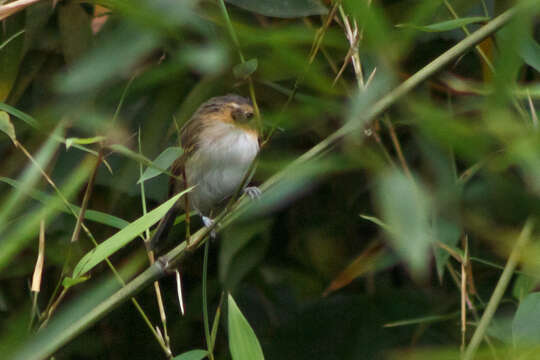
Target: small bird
(220, 142)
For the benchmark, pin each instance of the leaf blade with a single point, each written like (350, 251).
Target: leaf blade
(243, 343)
(123, 237)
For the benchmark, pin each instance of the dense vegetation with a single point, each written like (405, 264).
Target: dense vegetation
(400, 169)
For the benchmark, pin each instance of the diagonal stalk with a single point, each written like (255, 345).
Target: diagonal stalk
(498, 293)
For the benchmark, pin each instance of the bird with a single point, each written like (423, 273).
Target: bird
(220, 141)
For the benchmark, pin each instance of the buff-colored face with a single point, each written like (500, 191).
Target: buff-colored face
(241, 113)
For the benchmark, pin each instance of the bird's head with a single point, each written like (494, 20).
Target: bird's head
(230, 108)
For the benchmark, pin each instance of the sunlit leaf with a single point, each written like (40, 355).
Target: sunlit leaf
(445, 25)
(243, 343)
(282, 8)
(83, 141)
(123, 237)
(163, 161)
(69, 282)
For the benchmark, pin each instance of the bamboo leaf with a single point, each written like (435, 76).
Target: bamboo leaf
(163, 161)
(282, 8)
(530, 52)
(407, 219)
(92, 215)
(123, 237)
(445, 25)
(192, 355)
(244, 70)
(243, 342)
(83, 141)
(6, 126)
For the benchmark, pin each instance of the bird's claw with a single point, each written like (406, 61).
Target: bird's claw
(253, 192)
(209, 223)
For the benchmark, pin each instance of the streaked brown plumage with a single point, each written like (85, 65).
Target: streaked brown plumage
(219, 146)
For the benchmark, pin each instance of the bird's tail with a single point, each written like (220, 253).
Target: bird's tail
(163, 228)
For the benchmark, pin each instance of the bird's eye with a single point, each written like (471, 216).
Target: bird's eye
(249, 114)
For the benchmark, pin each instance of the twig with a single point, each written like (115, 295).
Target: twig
(499, 290)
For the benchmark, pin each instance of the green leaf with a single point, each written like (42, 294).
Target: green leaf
(445, 25)
(6, 126)
(123, 237)
(405, 210)
(83, 141)
(8, 40)
(192, 355)
(98, 67)
(68, 282)
(282, 8)
(526, 327)
(530, 52)
(121, 149)
(19, 114)
(163, 161)
(12, 50)
(28, 179)
(243, 342)
(523, 285)
(244, 70)
(376, 221)
(92, 215)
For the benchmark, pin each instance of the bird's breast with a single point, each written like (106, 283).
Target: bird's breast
(218, 166)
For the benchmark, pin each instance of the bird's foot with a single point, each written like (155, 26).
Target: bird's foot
(209, 223)
(253, 192)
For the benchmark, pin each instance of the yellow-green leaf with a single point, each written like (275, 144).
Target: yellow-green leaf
(243, 342)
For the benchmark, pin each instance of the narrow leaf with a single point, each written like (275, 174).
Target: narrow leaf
(243, 342)
(405, 209)
(530, 52)
(445, 25)
(123, 237)
(68, 282)
(163, 161)
(83, 141)
(6, 126)
(244, 70)
(192, 355)
(363, 263)
(92, 215)
(282, 8)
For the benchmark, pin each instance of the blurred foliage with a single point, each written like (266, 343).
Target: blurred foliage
(406, 222)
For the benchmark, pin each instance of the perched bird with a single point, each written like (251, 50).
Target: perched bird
(220, 142)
